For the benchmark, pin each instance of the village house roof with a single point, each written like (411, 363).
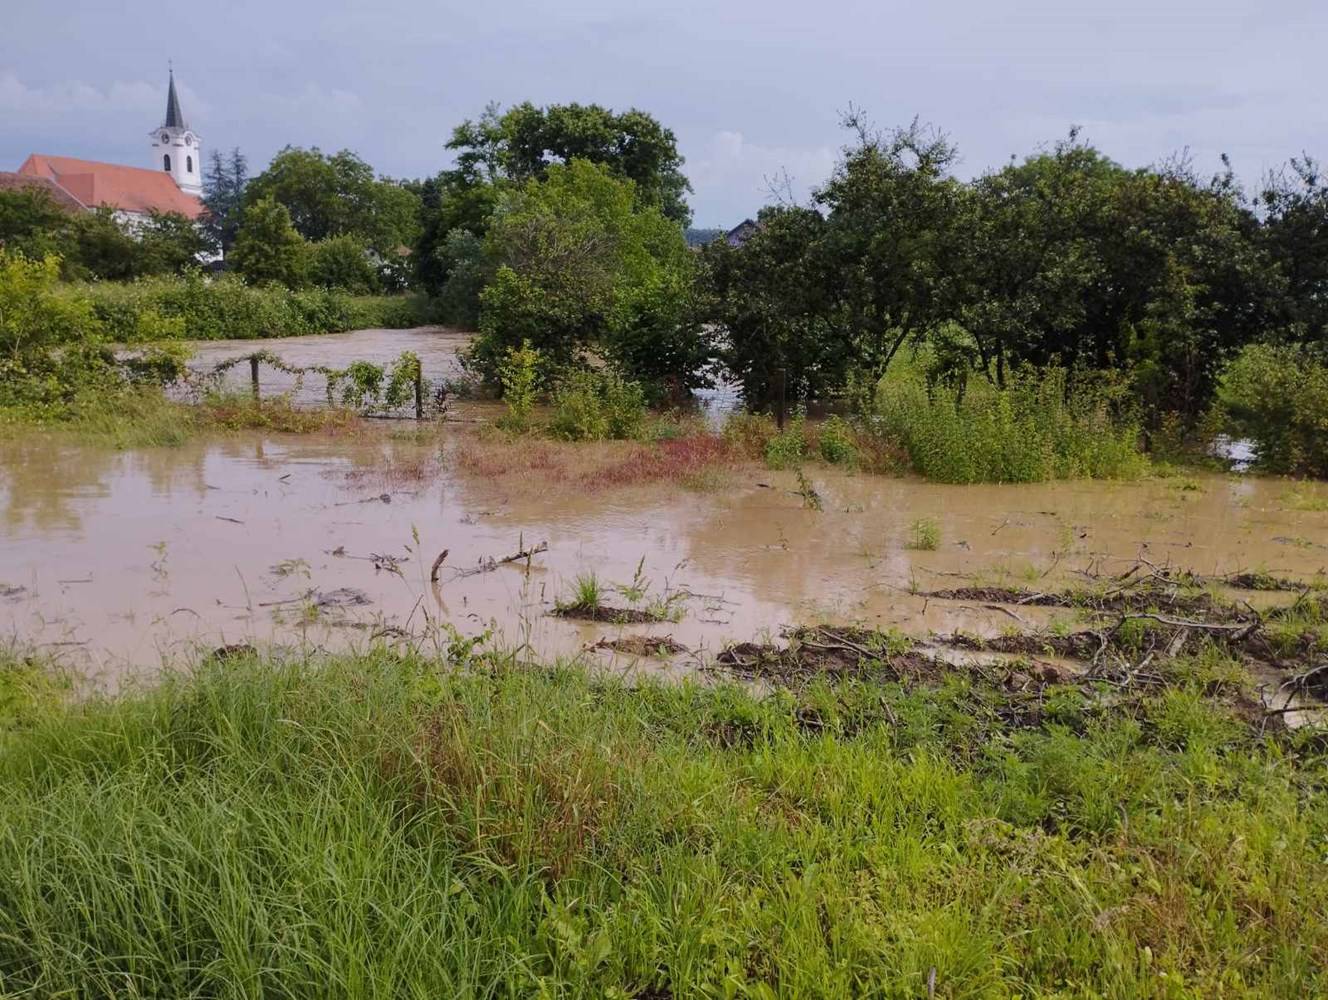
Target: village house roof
(22, 182)
(128, 189)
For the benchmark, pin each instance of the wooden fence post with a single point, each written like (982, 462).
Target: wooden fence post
(253, 375)
(783, 397)
(419, 394)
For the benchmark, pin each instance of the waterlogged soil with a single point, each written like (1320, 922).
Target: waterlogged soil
(125, 560)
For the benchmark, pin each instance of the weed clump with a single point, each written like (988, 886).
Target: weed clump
(597, 405)
(924, 535)
(1035, 428)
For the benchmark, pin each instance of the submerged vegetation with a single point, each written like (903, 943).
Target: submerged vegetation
(397, 826)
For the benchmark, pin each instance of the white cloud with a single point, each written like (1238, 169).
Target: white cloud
(77, 97)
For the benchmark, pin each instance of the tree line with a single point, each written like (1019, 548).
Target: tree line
(563, 227)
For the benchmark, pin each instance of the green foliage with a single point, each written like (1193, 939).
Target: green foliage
(597, 404)
(468, 269)
(1029, 431)
(223, 195)
(506, 831)
(1066, 259)
(32, 224)
(341, 262)
(835, 442)
(788, 448)
(522, 143)
(54, 360)
(1278, 397)
(170, 244)
(267, 247)
(95, 244)
(520, 376)
(33, 313)
(924, 535)
(337, 195)
(579, 265)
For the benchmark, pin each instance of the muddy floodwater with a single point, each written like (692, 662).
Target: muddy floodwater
(437, 347)
(129, 558)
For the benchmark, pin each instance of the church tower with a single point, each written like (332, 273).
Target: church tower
(176, 148)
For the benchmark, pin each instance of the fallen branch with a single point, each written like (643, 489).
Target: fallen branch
(491, 564)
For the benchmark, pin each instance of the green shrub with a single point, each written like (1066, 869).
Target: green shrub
(341, 262)
(1028, 431)
(788, 448)
(224, 308)
(750, 433)
(597, 404)
(1278, 398)
(835, 442)
(924, 535)
(520, 376)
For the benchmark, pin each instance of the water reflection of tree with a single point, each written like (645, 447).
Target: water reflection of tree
(43, 480)
(40, 479)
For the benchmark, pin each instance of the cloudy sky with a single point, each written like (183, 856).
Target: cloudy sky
(752, 89)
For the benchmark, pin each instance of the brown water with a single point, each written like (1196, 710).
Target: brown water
(436, 346)
(128, 558)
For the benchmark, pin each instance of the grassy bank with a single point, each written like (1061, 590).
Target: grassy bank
(380, 826)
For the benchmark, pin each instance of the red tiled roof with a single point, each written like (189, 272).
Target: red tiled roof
(130, 189)
(23, 182)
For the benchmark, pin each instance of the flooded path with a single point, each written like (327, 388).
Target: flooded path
(128, 558)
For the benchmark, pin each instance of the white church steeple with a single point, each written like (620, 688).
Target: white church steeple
(176, 147)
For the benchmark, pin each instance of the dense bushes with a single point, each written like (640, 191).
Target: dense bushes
(1029, 431)
(226, 308)
(595, 405)
(1278, 398)
(54, 359)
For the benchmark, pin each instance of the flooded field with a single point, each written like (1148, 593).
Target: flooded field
(112, 558)
(436, 346)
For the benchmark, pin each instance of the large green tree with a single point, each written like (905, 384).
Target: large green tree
(1294, 201)
(267, 246)
(339, 195)
(581, 265)
(500, 150)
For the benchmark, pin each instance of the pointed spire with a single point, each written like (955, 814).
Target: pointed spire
(174, 117)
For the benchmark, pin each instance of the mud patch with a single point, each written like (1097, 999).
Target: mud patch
(643, 645)
(1120, 600)
(607, 613)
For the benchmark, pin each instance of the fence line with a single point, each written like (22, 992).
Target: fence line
(362, 381)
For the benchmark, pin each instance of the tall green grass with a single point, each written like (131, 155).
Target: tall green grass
(1031, 430)
(387, 827)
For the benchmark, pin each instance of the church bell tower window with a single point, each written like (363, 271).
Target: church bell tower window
(166, 163)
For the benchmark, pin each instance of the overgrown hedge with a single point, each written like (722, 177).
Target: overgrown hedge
(225, 308)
